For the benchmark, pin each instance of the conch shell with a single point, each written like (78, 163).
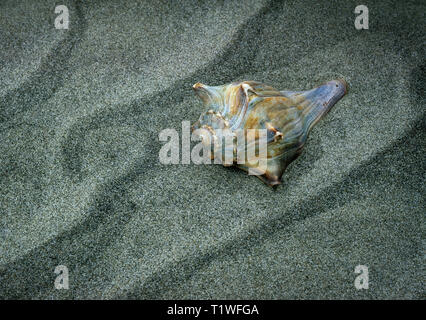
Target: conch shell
(285, 116)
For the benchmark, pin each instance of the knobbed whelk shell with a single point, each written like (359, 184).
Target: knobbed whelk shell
(286, 116)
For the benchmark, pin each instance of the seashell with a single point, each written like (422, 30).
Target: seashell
(285, 118)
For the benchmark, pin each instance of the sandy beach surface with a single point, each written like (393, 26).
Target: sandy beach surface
(81, 184)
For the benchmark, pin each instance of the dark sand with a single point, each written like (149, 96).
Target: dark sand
(81, 184)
